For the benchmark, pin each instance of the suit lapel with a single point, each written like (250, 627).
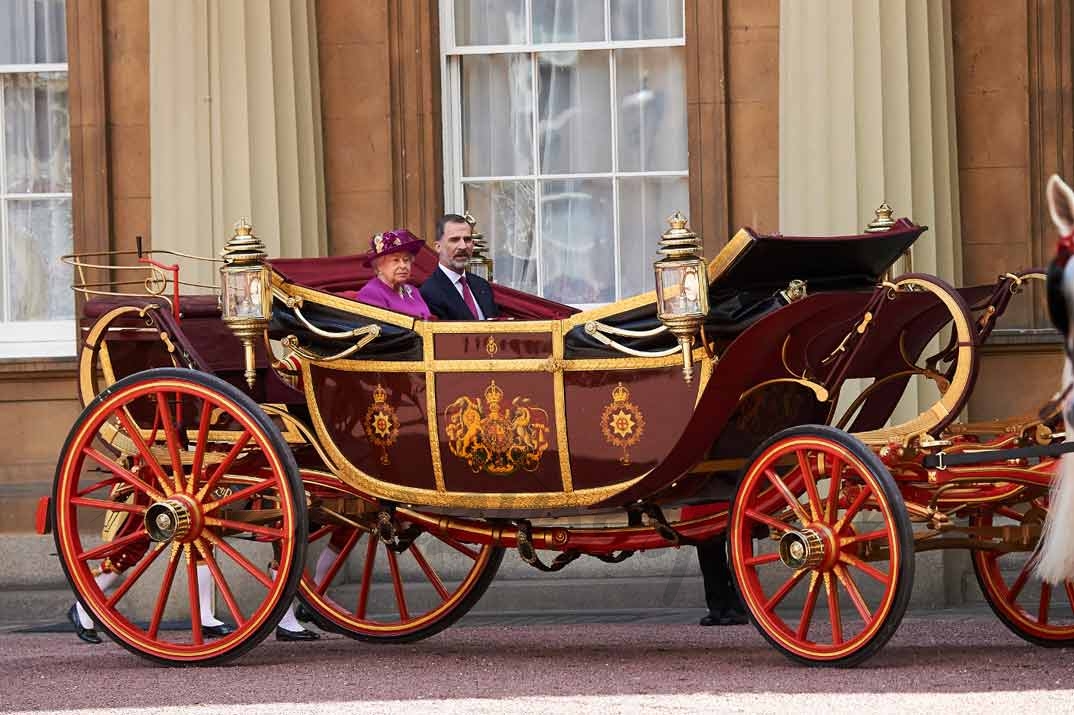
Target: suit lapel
(455, 302)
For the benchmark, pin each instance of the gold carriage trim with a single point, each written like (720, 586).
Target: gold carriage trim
(381, 423)
(494, 439)
(622, 422)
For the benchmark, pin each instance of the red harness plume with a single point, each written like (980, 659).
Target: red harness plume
(1064, 249)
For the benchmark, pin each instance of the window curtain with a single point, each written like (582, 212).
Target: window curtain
(36, 161)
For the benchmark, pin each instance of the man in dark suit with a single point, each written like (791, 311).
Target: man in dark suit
(452, 292)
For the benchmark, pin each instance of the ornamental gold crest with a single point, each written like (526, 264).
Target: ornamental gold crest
(381, 423)
(622, 422)
(496, 439)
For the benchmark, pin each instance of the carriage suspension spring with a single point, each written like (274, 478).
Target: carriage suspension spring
(396, 540)
(528, 553)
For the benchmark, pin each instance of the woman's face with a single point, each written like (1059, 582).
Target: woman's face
(394, 269)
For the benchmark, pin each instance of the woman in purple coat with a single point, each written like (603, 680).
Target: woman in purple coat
(391, 254)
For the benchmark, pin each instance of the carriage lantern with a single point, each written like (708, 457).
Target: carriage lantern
(479, 264)
(247, 302)
(682, 299)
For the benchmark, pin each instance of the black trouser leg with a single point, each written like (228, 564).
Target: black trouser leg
(712, 557)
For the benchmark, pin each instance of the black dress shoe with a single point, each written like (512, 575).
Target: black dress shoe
(282, 634)
(217, 631)
(709, 619)
(303, 613)
(89, 635)
(733, 617)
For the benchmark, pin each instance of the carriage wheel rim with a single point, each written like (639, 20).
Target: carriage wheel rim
(345, 617)
(823, 578)
(1005, 596)
(178, 555)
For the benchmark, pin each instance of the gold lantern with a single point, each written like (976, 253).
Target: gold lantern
(479, 263)
(247, 298)
(682, 296)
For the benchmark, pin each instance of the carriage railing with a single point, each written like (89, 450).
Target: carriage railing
(156, 273)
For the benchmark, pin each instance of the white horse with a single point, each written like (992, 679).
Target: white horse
(1055, 562)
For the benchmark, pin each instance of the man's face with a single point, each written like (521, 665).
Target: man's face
(456, 246)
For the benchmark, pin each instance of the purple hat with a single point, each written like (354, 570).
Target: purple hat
(392, 242)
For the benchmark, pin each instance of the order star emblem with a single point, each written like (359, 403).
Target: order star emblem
(382, 425)
(623, 423)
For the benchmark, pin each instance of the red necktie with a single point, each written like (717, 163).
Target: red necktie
(468, 296)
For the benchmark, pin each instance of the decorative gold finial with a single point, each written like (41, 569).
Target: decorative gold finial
(243, 227)
(677, 221)
(883, 220)
(480, 263)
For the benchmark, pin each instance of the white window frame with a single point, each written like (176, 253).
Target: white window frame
(451, 112)
(29, 338)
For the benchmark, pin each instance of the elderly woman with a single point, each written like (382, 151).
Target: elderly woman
(391, 254)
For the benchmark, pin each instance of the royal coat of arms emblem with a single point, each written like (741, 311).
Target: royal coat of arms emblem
(381, 423)
(496, 439)
(622, 422)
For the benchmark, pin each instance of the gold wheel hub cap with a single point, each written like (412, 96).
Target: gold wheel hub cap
(802, 549)
(167, 520)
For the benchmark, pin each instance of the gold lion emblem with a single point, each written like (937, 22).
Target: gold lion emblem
(381, 423)
(495, 439)
(622, 422)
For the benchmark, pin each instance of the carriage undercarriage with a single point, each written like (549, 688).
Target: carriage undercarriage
(181, 466)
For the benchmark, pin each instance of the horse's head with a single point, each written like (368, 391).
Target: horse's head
(1061, 269)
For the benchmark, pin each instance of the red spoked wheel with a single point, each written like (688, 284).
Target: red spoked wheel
(407, 588)
(1038, 612)
(821, 547)
(194, 474)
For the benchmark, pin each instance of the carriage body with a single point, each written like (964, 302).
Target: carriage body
(555, 430)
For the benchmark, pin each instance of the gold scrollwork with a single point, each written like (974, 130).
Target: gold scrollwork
(494, 439)
(381, 423)
(622, 422)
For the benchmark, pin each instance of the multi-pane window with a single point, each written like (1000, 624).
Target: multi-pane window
(36, 304)
(565, 134)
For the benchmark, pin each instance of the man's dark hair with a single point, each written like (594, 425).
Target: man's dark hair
(445, 220)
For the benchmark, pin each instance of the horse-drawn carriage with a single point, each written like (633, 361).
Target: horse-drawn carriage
(298, 442)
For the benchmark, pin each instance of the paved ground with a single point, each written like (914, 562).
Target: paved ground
(963, 662)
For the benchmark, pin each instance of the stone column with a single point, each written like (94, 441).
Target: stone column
(867, 115)
(235, 125)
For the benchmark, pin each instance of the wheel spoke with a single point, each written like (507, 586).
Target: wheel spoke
(367, 577)
(109, 505)
(133, 576)
(239, 559)
(865, 568)
(218, 577)
(833, 609)
(854, 508)
(788, 496)
(98, 485)
(780, 594)
(143, 449)
(1019, 582)
(321, 533)
(429, 572)
(243, 526)
(397, 585)
(341, 558)
(1045, 601)
(460, 547)
(124, 474)
(761, 559)
(241, 495)
(810, 483)
(172, 440)
(868, 536)
(834, 485)
(109, 547)
(847, 580)
(809, 606)
(767, 520)
(192, 590)
(221, 469)
(199, 447)
(162, 595)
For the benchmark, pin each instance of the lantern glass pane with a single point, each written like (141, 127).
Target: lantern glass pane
(242, 293)
(680, 289)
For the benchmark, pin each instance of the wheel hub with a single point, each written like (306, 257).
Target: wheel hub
(801, 549)
(175, 519)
